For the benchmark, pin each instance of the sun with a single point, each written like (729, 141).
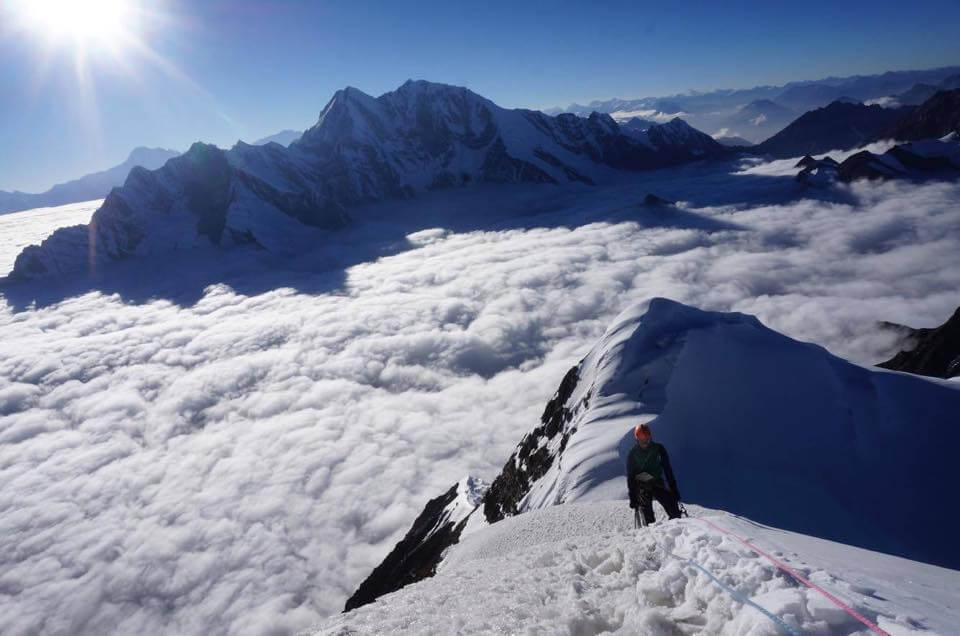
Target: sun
(87, 22)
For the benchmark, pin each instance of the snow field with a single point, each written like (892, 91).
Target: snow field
(582, 569)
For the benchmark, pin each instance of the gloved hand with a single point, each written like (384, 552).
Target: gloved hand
(634, 503)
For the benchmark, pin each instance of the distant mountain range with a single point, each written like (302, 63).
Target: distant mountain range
(936, 117)
(843, 126)
(91, 186)
(839, 126)
(284, 138)
(758, 119)
(420, 137)
(712, 111)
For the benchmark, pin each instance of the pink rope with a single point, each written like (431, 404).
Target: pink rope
(786, 568)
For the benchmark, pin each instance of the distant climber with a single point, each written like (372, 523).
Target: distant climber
(647, 464)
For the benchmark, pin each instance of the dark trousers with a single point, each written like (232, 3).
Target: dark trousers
(666, 498)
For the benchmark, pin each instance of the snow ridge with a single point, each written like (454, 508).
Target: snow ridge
(813, 453)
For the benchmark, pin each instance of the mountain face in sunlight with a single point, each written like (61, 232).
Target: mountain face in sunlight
(421, 137)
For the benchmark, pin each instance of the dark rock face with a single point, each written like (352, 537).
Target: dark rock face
(532, 458)
(865, 165)
(839, 126)
(637, 123)
(936, 354)
(416, 557)
(655, 201)
(935, 118)
(931, 159)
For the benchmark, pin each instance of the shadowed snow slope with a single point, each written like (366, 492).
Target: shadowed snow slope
(420, 137)
(757, 424)
(581, 569)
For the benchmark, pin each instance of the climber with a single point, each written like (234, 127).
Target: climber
(647, 464)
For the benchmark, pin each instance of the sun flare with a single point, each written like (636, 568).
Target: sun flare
(102, 22)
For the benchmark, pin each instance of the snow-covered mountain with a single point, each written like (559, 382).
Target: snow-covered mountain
(284, 138)
(86, 188)
(732, 141)
(759, 119)
(756, 423)
(420, 137)
(927, 159)
(637, 124)
(935, 118)
(713, 110)
(922, 92)
(839, 126)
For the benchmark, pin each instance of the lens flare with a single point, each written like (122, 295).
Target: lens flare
(91, 21)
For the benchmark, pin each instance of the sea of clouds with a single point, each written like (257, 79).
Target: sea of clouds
(238, 462)
(20, 229)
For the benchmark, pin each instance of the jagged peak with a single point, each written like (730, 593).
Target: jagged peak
(677, 124)
(142, 153)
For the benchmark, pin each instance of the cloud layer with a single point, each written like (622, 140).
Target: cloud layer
(237, 465)
(20, 229)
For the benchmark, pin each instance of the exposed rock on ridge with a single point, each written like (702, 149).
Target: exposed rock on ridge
(936, 353)
(417, 555)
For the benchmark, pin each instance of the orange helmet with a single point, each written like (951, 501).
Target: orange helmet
(642, 433)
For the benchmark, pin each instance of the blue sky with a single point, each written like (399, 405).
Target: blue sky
(221, 70)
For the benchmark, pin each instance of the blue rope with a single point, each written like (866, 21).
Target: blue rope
(740, 597)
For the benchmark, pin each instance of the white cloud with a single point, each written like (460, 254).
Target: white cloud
(723, 132)
(886, 102)
(19, 229)
(238, 464)
(651, 115)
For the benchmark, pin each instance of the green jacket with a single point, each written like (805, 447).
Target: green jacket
(654, 460)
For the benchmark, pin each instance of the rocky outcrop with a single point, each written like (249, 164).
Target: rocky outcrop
(937, 158)
(935, 118)
(935, 352)
(418, 553)
(534, 455)
(839, 126)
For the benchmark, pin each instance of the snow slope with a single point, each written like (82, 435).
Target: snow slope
(583, 569)
(757, 424)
